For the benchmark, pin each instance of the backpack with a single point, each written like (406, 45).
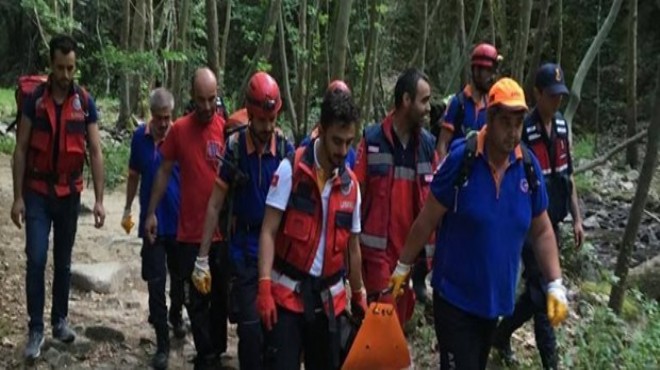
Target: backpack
(25, 86)
(467, 164)
(240, 178)
(460, 114)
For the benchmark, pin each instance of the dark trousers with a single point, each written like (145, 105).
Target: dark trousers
(157, 259)
(208, 313)
(532, 303)
(244, 288)
(42, 212)
(464, 339)
(293, 335)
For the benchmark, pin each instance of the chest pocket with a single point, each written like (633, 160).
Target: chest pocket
(75, 137)
(300, 214)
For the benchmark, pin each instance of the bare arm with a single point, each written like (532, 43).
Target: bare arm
(425, 223)
(545, 247)
(216, 201)
(131, 188)
(269, 227)
(20, 153)
(443, 142)
(575, 204)
(160, 185)
(355, 262)
(96, 160)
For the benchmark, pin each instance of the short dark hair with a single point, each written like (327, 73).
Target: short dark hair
(338, 107)
(64, 43)
(407, 83)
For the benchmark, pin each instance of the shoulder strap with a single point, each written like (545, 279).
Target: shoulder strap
(530, 172)
(460, 114)
(281, 145)
(468, 161)
(84, 98)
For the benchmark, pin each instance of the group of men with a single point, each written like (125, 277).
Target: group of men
(312, 233)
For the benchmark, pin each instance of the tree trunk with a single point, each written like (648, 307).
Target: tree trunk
(425, 35)
(560, 32)
(587, 61)
(266, 44)
(290, 109)
(464, 54)
(340, 44)
(631, 84)
(301, 73)
(491, 14)
(71, 17)
(124, 89)
(223, 51)
(151, 28)
(181, 44)
(539, 42)
(646, 176)
(523, 39)
(366, 90)
(313, 31)
(212, 38)
(137, 45)
(462, 40)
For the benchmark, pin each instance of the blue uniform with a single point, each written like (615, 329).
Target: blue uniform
(479, 243)
(473, 115)
(145, 158)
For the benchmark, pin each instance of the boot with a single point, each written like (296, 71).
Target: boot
(160, 358)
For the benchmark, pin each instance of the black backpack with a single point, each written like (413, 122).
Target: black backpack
(468, 163)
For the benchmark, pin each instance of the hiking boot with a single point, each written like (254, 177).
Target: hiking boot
(160, 358)
(33, 345)
(63, 332)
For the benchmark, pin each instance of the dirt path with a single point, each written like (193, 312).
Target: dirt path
(123, 313)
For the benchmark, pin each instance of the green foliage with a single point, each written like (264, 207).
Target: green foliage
(7, 104)
(115, 157)
(583, 147)
(7, 144)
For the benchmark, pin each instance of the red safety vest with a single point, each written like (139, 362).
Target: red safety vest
(381, 175)
(558, 156)
(65, 176)
(298, 238)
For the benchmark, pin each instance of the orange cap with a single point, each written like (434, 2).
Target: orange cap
(507, 93)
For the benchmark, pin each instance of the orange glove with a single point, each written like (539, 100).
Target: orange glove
(557, 302)
(266, 304)
(358, 303)
(399, 279)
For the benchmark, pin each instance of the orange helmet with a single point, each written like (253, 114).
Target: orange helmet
(338, 85)
(485, 55)
(262, 98)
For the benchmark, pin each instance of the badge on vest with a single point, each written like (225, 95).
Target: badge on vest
(373, 149)
(76, 103)
(524, 186)
(346, 189)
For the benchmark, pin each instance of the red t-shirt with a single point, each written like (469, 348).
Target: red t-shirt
(196, 146)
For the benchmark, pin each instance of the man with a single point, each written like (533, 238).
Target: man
(394, 167)
(484, 200)
(338, 85)
(546, 134)
(309, 234)
(57, 126)
(196, 141)
(466, 111)
(157, 258)
(251, 158)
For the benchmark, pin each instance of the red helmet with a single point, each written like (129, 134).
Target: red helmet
(338, 85)
(262, 98)
(484, 55)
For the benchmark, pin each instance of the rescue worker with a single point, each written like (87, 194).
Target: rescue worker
(485, 199)
(161, 256)
(252, 155)
(196, 141)
(350, 157)
(394, 166)
(545, 132)
(466, 111)
(308, 237)
(58, 126)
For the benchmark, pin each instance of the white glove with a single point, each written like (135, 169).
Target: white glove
(557, 302)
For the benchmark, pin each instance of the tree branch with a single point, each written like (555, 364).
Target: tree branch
(603, 158)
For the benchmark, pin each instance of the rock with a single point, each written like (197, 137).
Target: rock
(113, 302)
(646, 277)
(7, 343)
(130, 361)
(104, 334)
(132, 305)
(80, 348)
(65, 360)
(591, 223)
(627, 185)
(51, 356)
(632, 175)
(104, 277)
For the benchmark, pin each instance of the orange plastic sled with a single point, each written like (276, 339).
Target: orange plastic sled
(379, 344)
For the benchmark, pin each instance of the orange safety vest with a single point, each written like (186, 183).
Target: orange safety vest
(298, 239)
(381, 175)
(65, 176)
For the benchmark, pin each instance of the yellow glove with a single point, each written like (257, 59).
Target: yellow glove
(201, 275)
(557, 302)
(127, 221)
(399, 278)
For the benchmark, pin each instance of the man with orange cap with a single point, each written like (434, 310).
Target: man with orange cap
(486, 199)
(252, 155)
